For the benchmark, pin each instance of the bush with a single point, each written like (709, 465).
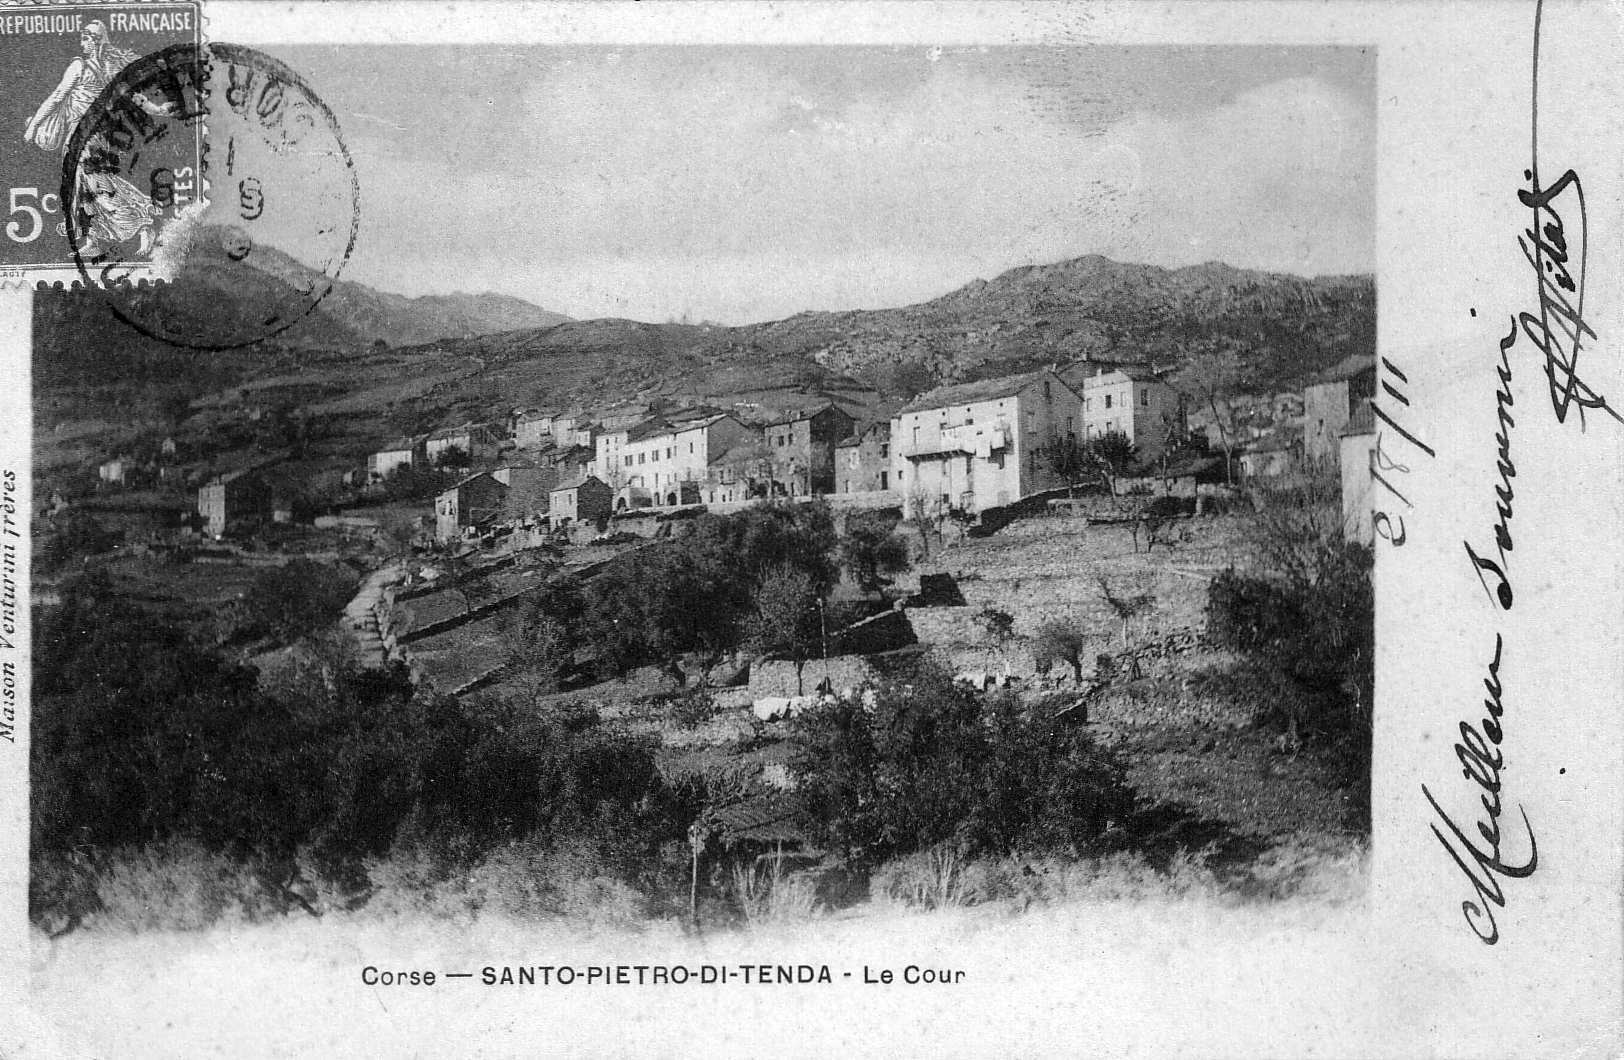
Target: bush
(872, 550)
(936, 763)
(693, 707)
(1309, 613)
(295, 600)
(178, 885)
(1058, 641)
(142, 737)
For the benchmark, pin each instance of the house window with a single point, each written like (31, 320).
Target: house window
(1144, 397)
(1108, 401)
(916, 437)
(1047, 395)
(640, 457)
(690, 447)
(885, 451)
(628, 460)
(884, 485)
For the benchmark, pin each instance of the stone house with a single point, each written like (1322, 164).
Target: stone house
(1329, 402)
(402, 452)
(863, 461)
(474, 501)
(977, 445)
(668, 465)
(533, 429)
(475, 440)
(1135, 402)
(529, 489)
(1274, 455)
(234, 498)
(800, 448)
(581, 500)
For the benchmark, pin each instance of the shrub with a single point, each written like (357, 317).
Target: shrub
(1058, 641)
(295, 600)
(693, 707)
(571, 879)
(770, 895)
(937, 763)
(178, 885)
(1308, 612)
(872, 550)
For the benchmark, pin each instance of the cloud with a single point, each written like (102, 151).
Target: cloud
(1281, 178)
(655, 184)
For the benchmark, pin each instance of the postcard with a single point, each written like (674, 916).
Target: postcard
(723, 528)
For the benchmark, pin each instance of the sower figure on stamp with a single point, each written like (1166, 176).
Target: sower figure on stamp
(118, 210)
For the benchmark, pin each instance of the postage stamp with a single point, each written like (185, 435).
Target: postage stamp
(56, 61)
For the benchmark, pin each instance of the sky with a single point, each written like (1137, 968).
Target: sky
(740, 184)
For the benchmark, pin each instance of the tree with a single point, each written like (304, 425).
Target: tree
(1212, 376)
(871, 550)
(927, 513)
(454, 456)
(1113, 452)
(75, 534)
(935, 762)
(1308, 611)
(1154, 517)
(295, 600)
(1070, 461)
(788, 617)
(1126, 608)
(542, 653)
(1059, 641)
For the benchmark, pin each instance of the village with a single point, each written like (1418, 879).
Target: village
(587, 483)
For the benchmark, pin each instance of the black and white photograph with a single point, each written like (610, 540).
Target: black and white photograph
(573, 525)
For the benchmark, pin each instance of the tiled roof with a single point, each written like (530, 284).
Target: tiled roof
(1355, 364)
(983, 390)
(576, 483)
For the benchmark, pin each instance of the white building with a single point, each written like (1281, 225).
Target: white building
(670, 465)
(976, 445)
(1134, 402)
(533, 430)
(403, 452)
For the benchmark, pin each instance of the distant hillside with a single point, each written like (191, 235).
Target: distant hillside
(1285, 328)
(400, 321)
(488, 353)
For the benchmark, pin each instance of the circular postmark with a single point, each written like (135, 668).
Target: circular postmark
(215, 170)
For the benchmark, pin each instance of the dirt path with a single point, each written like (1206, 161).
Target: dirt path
(361, 615)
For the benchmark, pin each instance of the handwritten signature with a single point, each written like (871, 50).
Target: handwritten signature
(1481, 760)
(1558, 329)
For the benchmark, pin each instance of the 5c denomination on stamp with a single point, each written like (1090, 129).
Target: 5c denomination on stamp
(55, 64)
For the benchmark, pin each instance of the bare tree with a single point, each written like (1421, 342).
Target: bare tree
(1127, 608)
(1212, 376)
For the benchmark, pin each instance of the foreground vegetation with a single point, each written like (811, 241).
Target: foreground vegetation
(175, 787)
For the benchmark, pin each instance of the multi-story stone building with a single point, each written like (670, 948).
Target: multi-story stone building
(863, 461)
(977, 445)
(1136, 403)
(1330, 402)
(800, 449)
